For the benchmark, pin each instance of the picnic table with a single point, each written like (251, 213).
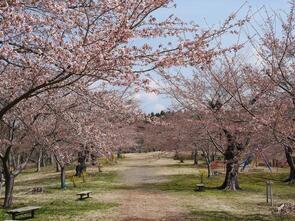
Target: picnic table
(23, 210)
(84, 194)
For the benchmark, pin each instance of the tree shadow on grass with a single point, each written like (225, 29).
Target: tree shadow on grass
(227, 216)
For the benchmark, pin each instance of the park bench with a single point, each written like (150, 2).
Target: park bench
(200, 187)
(84, 194)
(23, 210)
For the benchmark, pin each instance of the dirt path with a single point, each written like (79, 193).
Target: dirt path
(142, 204)
(137, 201)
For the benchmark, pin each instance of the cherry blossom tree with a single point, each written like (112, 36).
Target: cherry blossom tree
(265, 89)
(90, 124)
(223, 122)
(275, 51)
(47, 46)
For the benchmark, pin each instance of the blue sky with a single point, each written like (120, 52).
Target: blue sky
(199, 11)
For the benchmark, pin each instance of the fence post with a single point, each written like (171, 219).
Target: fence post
(269, 192)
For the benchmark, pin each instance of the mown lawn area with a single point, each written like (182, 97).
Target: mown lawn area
(60, 204)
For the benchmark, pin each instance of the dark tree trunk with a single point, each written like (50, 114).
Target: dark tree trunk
(9, 179)
(119, 153)
(57, 167)
(232, 163)
(62, 177)
(291, 163)
(176, 156)
(195, 155)
(43, 159)
(10, 176)
(231, 176)
(9, 183)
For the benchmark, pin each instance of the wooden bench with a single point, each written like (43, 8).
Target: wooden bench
(23, 210)
(84, 194)
(200, 187)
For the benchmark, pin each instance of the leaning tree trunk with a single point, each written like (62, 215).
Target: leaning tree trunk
(62, 177)
(291, 163)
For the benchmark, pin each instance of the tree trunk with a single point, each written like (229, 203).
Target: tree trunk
(9, 178)
(208, 161)
(176, 156)
(52, 160)
(119, 155)
(232, 164)
(39, 161)
(291, 163)
(12, 160)
(9, 183)
(43, 159)
(18, 159)
(57, 167)
(231, 176)
(209, 170)
(195, 155)
(62, 177)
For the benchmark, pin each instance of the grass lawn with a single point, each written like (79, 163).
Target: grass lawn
(60, 204)
(213, 204)
(143, 187)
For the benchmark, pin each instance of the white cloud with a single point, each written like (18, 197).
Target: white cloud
(159, 107)
(152, 97)
(154, 103)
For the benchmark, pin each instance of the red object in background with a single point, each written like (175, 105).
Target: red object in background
(216, 164)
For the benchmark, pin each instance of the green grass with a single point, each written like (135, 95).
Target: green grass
(250, 183)
(62, 209)
(210, 205)
(60, 204)
(226, 216)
